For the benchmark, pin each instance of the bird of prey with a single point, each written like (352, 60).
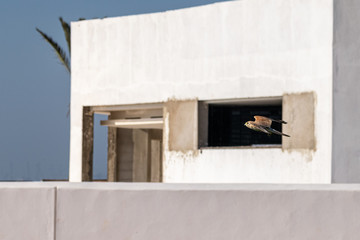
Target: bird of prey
(263, 124)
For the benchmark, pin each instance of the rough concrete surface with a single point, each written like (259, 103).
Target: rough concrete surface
(87, 144)
(182, 124)
(298, 110)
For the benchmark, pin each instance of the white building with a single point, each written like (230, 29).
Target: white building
(178, 85)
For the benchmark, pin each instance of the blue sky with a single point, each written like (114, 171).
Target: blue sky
(35, 88)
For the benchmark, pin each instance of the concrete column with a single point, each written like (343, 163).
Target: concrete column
(155, 174)
(87, 144)
(140, 161)
(112, 161)
(155, 155)
(124, 154)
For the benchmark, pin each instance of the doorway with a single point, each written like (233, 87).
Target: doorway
(135, 135)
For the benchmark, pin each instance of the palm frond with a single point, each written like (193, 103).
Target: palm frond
(58, 50)
(67, 33)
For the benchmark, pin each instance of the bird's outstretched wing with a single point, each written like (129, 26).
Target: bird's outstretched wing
(271, 130)
(263, 121)
(260, 128)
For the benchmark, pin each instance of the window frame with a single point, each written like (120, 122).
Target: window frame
(203, 119)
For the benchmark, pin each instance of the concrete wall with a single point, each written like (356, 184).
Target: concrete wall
(27, 211)
(346, 132)
(178, 211)
(237, 49)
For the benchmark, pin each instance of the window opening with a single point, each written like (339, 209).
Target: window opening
(225, 123)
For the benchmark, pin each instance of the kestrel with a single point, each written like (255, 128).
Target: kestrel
(262, 124)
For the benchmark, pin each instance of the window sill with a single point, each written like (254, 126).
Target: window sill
(257, 146)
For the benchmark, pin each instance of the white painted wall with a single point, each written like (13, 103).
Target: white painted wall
(86, 211)
(237, 49)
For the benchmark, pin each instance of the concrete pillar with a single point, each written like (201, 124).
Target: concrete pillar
(124, 154)
(155, 158)
(140, 162)
(87, 144)
(112, 161)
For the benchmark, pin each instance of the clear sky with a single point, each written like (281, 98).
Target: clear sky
(35, 88)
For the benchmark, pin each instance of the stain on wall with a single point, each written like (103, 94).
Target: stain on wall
(183, 124)
(298, 111)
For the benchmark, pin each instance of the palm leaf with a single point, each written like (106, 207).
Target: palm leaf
(58, 50)
(67, 33)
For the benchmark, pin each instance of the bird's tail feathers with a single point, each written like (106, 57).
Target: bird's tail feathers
(276, 132)
(279, 121)
(285, 135)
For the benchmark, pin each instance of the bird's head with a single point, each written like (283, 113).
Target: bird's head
(247, 124)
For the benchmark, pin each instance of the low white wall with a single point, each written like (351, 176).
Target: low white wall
(27, 211)
(178, 211)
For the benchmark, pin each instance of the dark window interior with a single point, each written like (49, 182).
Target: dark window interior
(226, 125)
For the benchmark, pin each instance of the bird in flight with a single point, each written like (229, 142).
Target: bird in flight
(263, 124)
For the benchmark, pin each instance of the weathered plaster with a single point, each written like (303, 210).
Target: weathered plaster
(112, 163)
(230, 50)
(183, 122)
(298, 110)
(87, 144)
